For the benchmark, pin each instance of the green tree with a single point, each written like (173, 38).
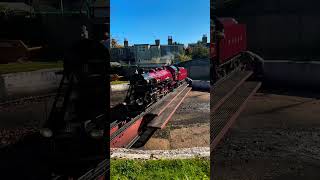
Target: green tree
(183, 57)
(115, 44)
(199, 52)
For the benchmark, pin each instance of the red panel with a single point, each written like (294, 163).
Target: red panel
(114, 129)
(182, 74)
(125, 137)
(233, 43)
(160, 75)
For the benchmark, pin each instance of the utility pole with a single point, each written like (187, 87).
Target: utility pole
(61, 6)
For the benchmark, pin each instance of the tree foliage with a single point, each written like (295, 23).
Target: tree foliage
(115, 44)
(199, 52)
(183, 57)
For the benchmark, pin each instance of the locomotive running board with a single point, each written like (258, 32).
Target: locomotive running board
(164, 113)
(224, 116)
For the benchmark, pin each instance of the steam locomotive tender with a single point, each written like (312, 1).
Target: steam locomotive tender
(146, 87)
(230, 42)
(229, 49)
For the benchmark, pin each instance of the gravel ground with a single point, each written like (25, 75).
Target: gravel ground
(117, 97)
(276, 137)
(27, 113)
(12, 136)
(188, 127)
(22, 118)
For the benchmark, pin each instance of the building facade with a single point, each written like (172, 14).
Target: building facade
(157, 54)
(203, 42)
(172, 49)
(122, 54)
(146, 54)
(141, 52)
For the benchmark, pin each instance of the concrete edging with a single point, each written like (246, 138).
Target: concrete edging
(21, 84)
(185, 153)
(119, 87)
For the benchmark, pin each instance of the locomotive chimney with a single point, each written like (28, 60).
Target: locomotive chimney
(204, 39)
(170, 40)
(126, 43)
(157, 42)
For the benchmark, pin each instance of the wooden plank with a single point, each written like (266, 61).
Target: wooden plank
(162, 119)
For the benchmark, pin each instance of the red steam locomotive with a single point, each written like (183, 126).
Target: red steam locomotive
(229, 42)
(147, 87)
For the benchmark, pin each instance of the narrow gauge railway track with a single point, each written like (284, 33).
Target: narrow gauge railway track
(97, 173)
(125, 134)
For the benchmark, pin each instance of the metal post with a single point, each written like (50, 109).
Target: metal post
(61, 5)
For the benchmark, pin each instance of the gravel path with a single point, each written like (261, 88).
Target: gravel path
(189, 126)
(276, 137)
(185, 153)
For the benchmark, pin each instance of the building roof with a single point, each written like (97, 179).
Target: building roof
(16, 7)
(172, 45)
(101, 3)
(141, 44)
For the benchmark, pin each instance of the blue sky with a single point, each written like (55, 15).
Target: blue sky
(143, 21)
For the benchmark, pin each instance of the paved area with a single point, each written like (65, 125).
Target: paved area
(276, 137)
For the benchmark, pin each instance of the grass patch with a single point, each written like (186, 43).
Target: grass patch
(31, 66)
(160, 169)
(119, 82)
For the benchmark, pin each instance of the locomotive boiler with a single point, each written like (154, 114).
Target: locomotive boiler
(146, 87)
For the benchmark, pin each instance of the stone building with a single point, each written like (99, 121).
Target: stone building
(171, 48)
(123, 54)
(157, 54)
